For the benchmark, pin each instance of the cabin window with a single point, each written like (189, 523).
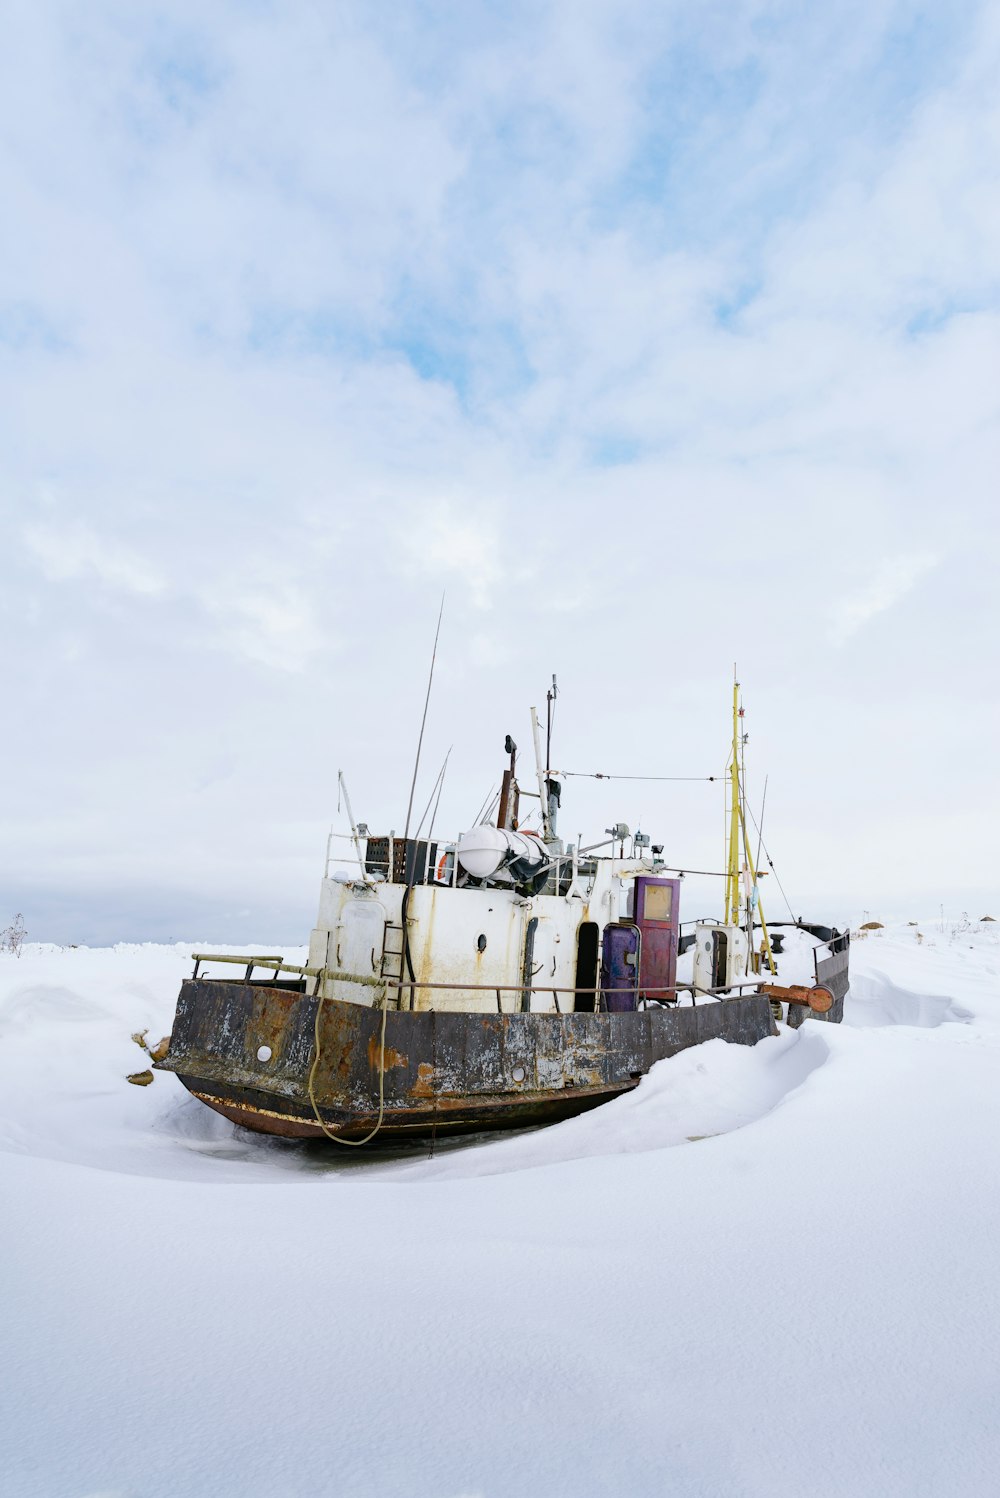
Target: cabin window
(481, 941)
(586, 965)
(657, 902)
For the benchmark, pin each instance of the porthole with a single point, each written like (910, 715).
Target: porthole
(518, 1074)
(264, 1053)
(481, 941)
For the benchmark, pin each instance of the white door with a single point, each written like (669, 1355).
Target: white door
(357, 942)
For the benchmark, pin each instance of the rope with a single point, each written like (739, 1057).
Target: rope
(381, 1081)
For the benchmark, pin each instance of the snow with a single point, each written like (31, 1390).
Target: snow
(764, 1272)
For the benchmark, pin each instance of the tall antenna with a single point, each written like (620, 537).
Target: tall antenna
(423, 722)
(550, 697)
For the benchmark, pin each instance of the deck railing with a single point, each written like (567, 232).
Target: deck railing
(323, 974)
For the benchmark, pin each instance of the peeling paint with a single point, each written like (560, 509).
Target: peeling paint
(440, 1067)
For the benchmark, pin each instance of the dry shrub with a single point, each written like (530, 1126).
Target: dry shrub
(12, 936)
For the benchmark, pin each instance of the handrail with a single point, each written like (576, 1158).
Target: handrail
(529, 988)
(367, 981)
(277, 964)
(265, 961)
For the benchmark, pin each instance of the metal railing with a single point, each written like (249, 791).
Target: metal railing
(326, 974)
(562, 868)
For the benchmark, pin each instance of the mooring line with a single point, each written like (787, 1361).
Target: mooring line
(381, 1079)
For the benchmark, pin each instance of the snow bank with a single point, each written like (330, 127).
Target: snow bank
(766, 1271)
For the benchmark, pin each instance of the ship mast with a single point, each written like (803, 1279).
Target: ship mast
(732, 916)
(743, 902)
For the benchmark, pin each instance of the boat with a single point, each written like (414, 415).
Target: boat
(500, 979)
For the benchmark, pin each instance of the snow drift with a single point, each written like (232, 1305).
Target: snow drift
(765, 1271)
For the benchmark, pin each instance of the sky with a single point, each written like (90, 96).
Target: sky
(656, 337)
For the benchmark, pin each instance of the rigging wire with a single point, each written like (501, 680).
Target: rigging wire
(600, 775)
(770, 864)
(407, 959)
(444, 768)
(436, 787)
(423, 721)
(760, 835)
(491, 796)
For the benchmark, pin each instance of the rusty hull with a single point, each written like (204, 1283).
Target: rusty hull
(444, 1071)
(832, 973)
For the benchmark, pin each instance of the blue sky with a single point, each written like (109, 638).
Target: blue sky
(657, 336)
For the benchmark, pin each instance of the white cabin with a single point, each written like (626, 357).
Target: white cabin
(721, 956)
(496, 921)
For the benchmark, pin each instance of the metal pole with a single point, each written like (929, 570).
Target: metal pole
(542, 788)
(354, 831)
(733, 861)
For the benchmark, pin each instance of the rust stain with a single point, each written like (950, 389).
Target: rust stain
(270, 1017)
(423, 1086)
(460, 1077)
(819, 999)
(492, 1112)
(587, 1076)
(392, 1058)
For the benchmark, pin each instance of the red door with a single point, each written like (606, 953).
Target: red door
(657, 915)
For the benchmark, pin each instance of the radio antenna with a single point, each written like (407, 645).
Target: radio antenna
(550, 697)
(423, 723)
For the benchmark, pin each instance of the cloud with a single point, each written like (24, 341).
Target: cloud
(68, 552)
(598, 317)
(266, 622)
(892, 581)
(466, 550)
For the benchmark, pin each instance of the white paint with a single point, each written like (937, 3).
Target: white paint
(735, 968)
(358, 935)
(484, 851)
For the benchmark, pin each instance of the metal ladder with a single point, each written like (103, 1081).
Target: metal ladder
(392, 956)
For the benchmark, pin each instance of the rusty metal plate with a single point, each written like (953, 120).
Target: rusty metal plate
(441, 1070)
(831, 973)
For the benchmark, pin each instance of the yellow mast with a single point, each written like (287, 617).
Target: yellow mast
(733, 867)
(740, 858)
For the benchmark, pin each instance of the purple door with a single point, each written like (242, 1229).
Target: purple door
(619, 967)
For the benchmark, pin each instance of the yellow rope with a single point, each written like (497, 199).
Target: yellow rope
(381, 1080)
